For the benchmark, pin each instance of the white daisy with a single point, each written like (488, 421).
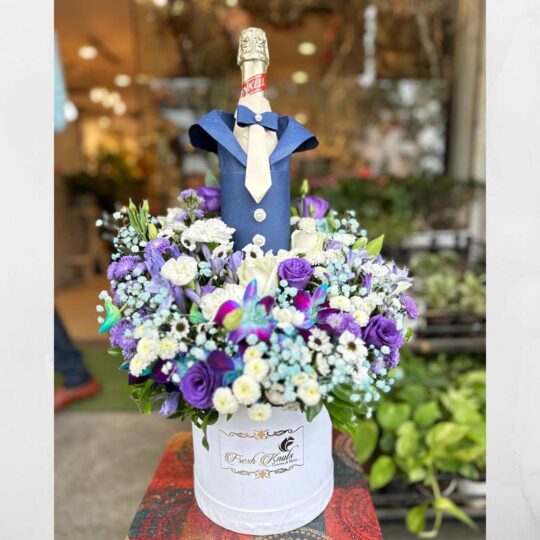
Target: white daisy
(351, 348)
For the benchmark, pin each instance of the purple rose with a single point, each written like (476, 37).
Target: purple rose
(296, 271)
(381, 331)
(211, 196)
(410, 306)
(312, 206)
(199, 384)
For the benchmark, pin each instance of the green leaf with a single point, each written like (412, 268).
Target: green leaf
(233, 320)
(472, 453)
(427, 413)
(382, 472)
(344, 415)
(360, 243)
(313, 410)
(374, 247)
(391, 415)
(445, 433)
(414, 393)
(195, 315)
(365, 437)
(416, 518)
(477, 433)
(114, 351)
(407, 445)
(448, 507)
(387, 442)
(112, 317)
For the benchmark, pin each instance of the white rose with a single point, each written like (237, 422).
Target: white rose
(307, 224)
(211, 302)
(246, 390)
(260, 412)
(180, 271)
(212, 230)
(306, 242)
(224, 401)
(263, 269)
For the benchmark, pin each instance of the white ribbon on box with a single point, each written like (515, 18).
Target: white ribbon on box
(263, 478)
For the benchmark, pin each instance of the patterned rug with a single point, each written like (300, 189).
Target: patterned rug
(168, 510)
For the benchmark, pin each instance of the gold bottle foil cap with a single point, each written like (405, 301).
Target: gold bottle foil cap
(253, 46)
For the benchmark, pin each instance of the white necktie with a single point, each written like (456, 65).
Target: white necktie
(258, 177)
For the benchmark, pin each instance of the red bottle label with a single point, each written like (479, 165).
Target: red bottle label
(253, 85)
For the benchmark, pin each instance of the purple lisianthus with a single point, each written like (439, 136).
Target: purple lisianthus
(410, 306)
(312, 206)
(118, 338)
(211, 196)
(199, 384)
(296, 271)
(381, 331)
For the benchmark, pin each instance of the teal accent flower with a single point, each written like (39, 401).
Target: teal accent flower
(112, 317)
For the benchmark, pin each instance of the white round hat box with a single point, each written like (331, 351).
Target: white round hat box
(264, 478)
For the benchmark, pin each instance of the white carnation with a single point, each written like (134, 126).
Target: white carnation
(345, 239)
(307, 224)
(334, 256)
(224, 401)
(260, 412)
(276, 394)
(211, 302)
(212, 230)
(362, 318)
(180, 271)
(246, 390)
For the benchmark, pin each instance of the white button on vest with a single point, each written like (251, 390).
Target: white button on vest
(258, 117)
(259, 215)
(259, 240)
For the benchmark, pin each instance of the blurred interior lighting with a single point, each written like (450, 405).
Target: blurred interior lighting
(300, 77)
(122, 80)
(231, 3)
(104, 122)
(307, 48)
(301, 117)
(160, 3)
(97, 94)
(142, 78)
(119, 108)
(87, 52)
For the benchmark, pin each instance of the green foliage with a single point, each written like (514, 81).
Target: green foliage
(443, 286)
(374, 247)
(398, 206)
(433, 422)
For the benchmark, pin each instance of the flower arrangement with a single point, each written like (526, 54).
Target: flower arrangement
(204, 329)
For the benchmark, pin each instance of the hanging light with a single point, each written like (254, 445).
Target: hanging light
(300, 77)
(307, 48)
(119, 108)
(87, 52)
(122, 80)
(104, 122)
(97, 94)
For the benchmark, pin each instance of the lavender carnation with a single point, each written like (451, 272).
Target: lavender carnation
(121, 268)
(343, 322)
(157, 245)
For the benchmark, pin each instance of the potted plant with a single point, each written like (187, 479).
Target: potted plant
(430, 430)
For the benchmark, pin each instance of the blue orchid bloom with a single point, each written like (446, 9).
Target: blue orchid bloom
(250, 317)
(313, 306)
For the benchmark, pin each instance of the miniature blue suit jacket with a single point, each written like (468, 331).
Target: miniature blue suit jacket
(214, 133)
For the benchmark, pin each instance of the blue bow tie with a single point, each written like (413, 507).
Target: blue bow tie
(246, 117)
